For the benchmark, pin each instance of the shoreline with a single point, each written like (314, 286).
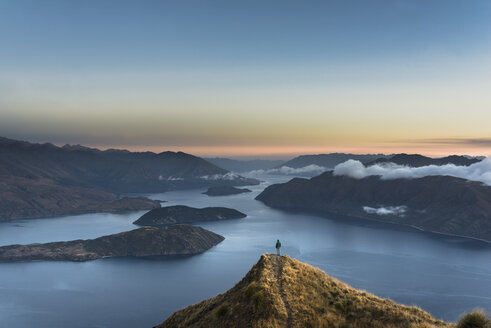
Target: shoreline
(337, 217)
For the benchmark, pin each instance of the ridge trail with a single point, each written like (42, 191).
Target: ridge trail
(279, 278)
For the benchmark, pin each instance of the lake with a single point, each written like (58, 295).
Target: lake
(443, 275)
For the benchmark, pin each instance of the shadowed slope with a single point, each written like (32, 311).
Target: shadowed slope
(282, 292)
(441, 204)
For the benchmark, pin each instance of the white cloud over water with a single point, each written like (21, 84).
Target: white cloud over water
(480, 171)
(309, 170)
(226, 176)
(392, 210)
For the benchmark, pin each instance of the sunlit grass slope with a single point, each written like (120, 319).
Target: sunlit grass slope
(282, 292)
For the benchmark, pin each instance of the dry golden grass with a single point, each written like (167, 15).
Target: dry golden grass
(283, 292)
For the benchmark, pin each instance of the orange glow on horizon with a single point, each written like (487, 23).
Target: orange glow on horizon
(431, 150)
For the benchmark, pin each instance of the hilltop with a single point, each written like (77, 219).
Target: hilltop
(282, 292)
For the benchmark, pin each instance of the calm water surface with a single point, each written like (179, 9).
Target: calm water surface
(444, 275)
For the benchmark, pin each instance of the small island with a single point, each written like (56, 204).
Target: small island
(143, 242)
(185, 214)
(225, 191)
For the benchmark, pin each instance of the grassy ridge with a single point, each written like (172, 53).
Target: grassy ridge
(282, 292)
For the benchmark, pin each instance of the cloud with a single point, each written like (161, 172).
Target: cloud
(309, 170)
(480, 171)
(170, 178)
(392, 210)
(485, 142)
(226, 176)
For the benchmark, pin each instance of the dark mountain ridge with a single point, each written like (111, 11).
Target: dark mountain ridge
(329, 160)
(118, 171)
(416, 160)
(441, 204)
(41, 180)
(240, 166)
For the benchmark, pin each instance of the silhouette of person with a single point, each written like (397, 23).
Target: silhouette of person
(278, 246)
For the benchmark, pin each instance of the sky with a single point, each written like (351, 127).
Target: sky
(249, 78)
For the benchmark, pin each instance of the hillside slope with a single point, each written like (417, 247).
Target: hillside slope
(282, 292)
(40, 180)
(441, 204)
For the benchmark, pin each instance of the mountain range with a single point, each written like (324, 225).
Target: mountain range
(416, 160)
(38, 180)
(329, 161)
(242, 166)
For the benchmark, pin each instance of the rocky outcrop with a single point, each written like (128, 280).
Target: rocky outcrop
(185, 214)
(143, 242)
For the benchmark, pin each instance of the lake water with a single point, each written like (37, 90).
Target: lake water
(443, 275)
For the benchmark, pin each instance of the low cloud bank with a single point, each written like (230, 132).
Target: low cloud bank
(393, 210)
(309, 170)
(480, 171)
(226, 176)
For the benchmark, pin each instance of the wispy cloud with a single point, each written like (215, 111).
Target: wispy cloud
(309, 170)
(392, 210)
(485, 142)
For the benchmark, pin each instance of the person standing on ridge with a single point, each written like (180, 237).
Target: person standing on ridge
(278, 246)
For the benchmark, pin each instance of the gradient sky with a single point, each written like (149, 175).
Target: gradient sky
(249, 78)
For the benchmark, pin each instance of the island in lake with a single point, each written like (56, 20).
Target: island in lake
(225, 191)
(143, 242)
(185, 214)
